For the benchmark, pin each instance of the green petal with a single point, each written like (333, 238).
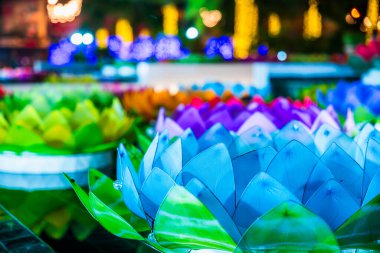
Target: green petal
(23, 137)
(28, 118)
(102, 187)
(111, 221)
(184, 222)
(142, 140)
(288, 227)
(88, 136)
(362, 229)
(54, 118)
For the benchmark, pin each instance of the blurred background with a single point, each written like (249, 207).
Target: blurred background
(127, 40)
(141, 55)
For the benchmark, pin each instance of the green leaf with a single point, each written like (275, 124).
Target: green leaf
(102, 187)
(142, 140)
(289, 227)
(111, 221)
(362, 229)
(184, 222)
(88, 136)
(82, 195)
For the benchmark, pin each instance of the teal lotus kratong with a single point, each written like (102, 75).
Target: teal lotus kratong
(289, 191)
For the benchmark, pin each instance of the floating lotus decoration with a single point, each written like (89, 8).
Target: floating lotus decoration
(237, 117)
(44, 133)
(289, 191)
(147, 101)
(52, 123)
(362, 100)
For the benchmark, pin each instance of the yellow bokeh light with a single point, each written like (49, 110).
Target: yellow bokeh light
(124, 30)
(355, 13)
(246, 27)
(312, 22)
(367, 22)
(274, 24)
(101, 36)
(170, 22)
(349, 19)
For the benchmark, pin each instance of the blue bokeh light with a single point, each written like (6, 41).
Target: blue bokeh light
(263, 50)
(168, 48)
(142, 48)
(282, 56)
(219, 46)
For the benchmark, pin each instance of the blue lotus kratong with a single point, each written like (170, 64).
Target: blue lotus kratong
(289, 191)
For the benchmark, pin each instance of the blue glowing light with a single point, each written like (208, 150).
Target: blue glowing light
(220, 46)
(226, 49)
(59, 55)
(212, 47)
(282, 56)
(142, 48)
(114, 44)
(168, 48)
(263, 50)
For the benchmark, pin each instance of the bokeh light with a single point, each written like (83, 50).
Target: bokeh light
(192, 33)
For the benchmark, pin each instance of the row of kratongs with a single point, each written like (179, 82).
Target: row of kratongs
(268, 161)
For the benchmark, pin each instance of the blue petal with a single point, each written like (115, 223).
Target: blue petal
(170, 160)
(333, 203)
(362, 137)
(345, 170)
(216, 134)
(214, 168)
(372, 162)
(154, 190)
(123, 161)
(248, 165)
(292, 167)
(261, 195)
(320, 175)
(295, 130)
(190, 146)
(252, 139)
(155, 149)
(373, 188)
(199, 190)
(129, 190)
(324, 136)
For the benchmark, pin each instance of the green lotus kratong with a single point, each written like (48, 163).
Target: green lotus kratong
(72, 122)
(45, 133)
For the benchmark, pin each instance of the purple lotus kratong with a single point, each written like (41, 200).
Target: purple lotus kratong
(238, 118)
